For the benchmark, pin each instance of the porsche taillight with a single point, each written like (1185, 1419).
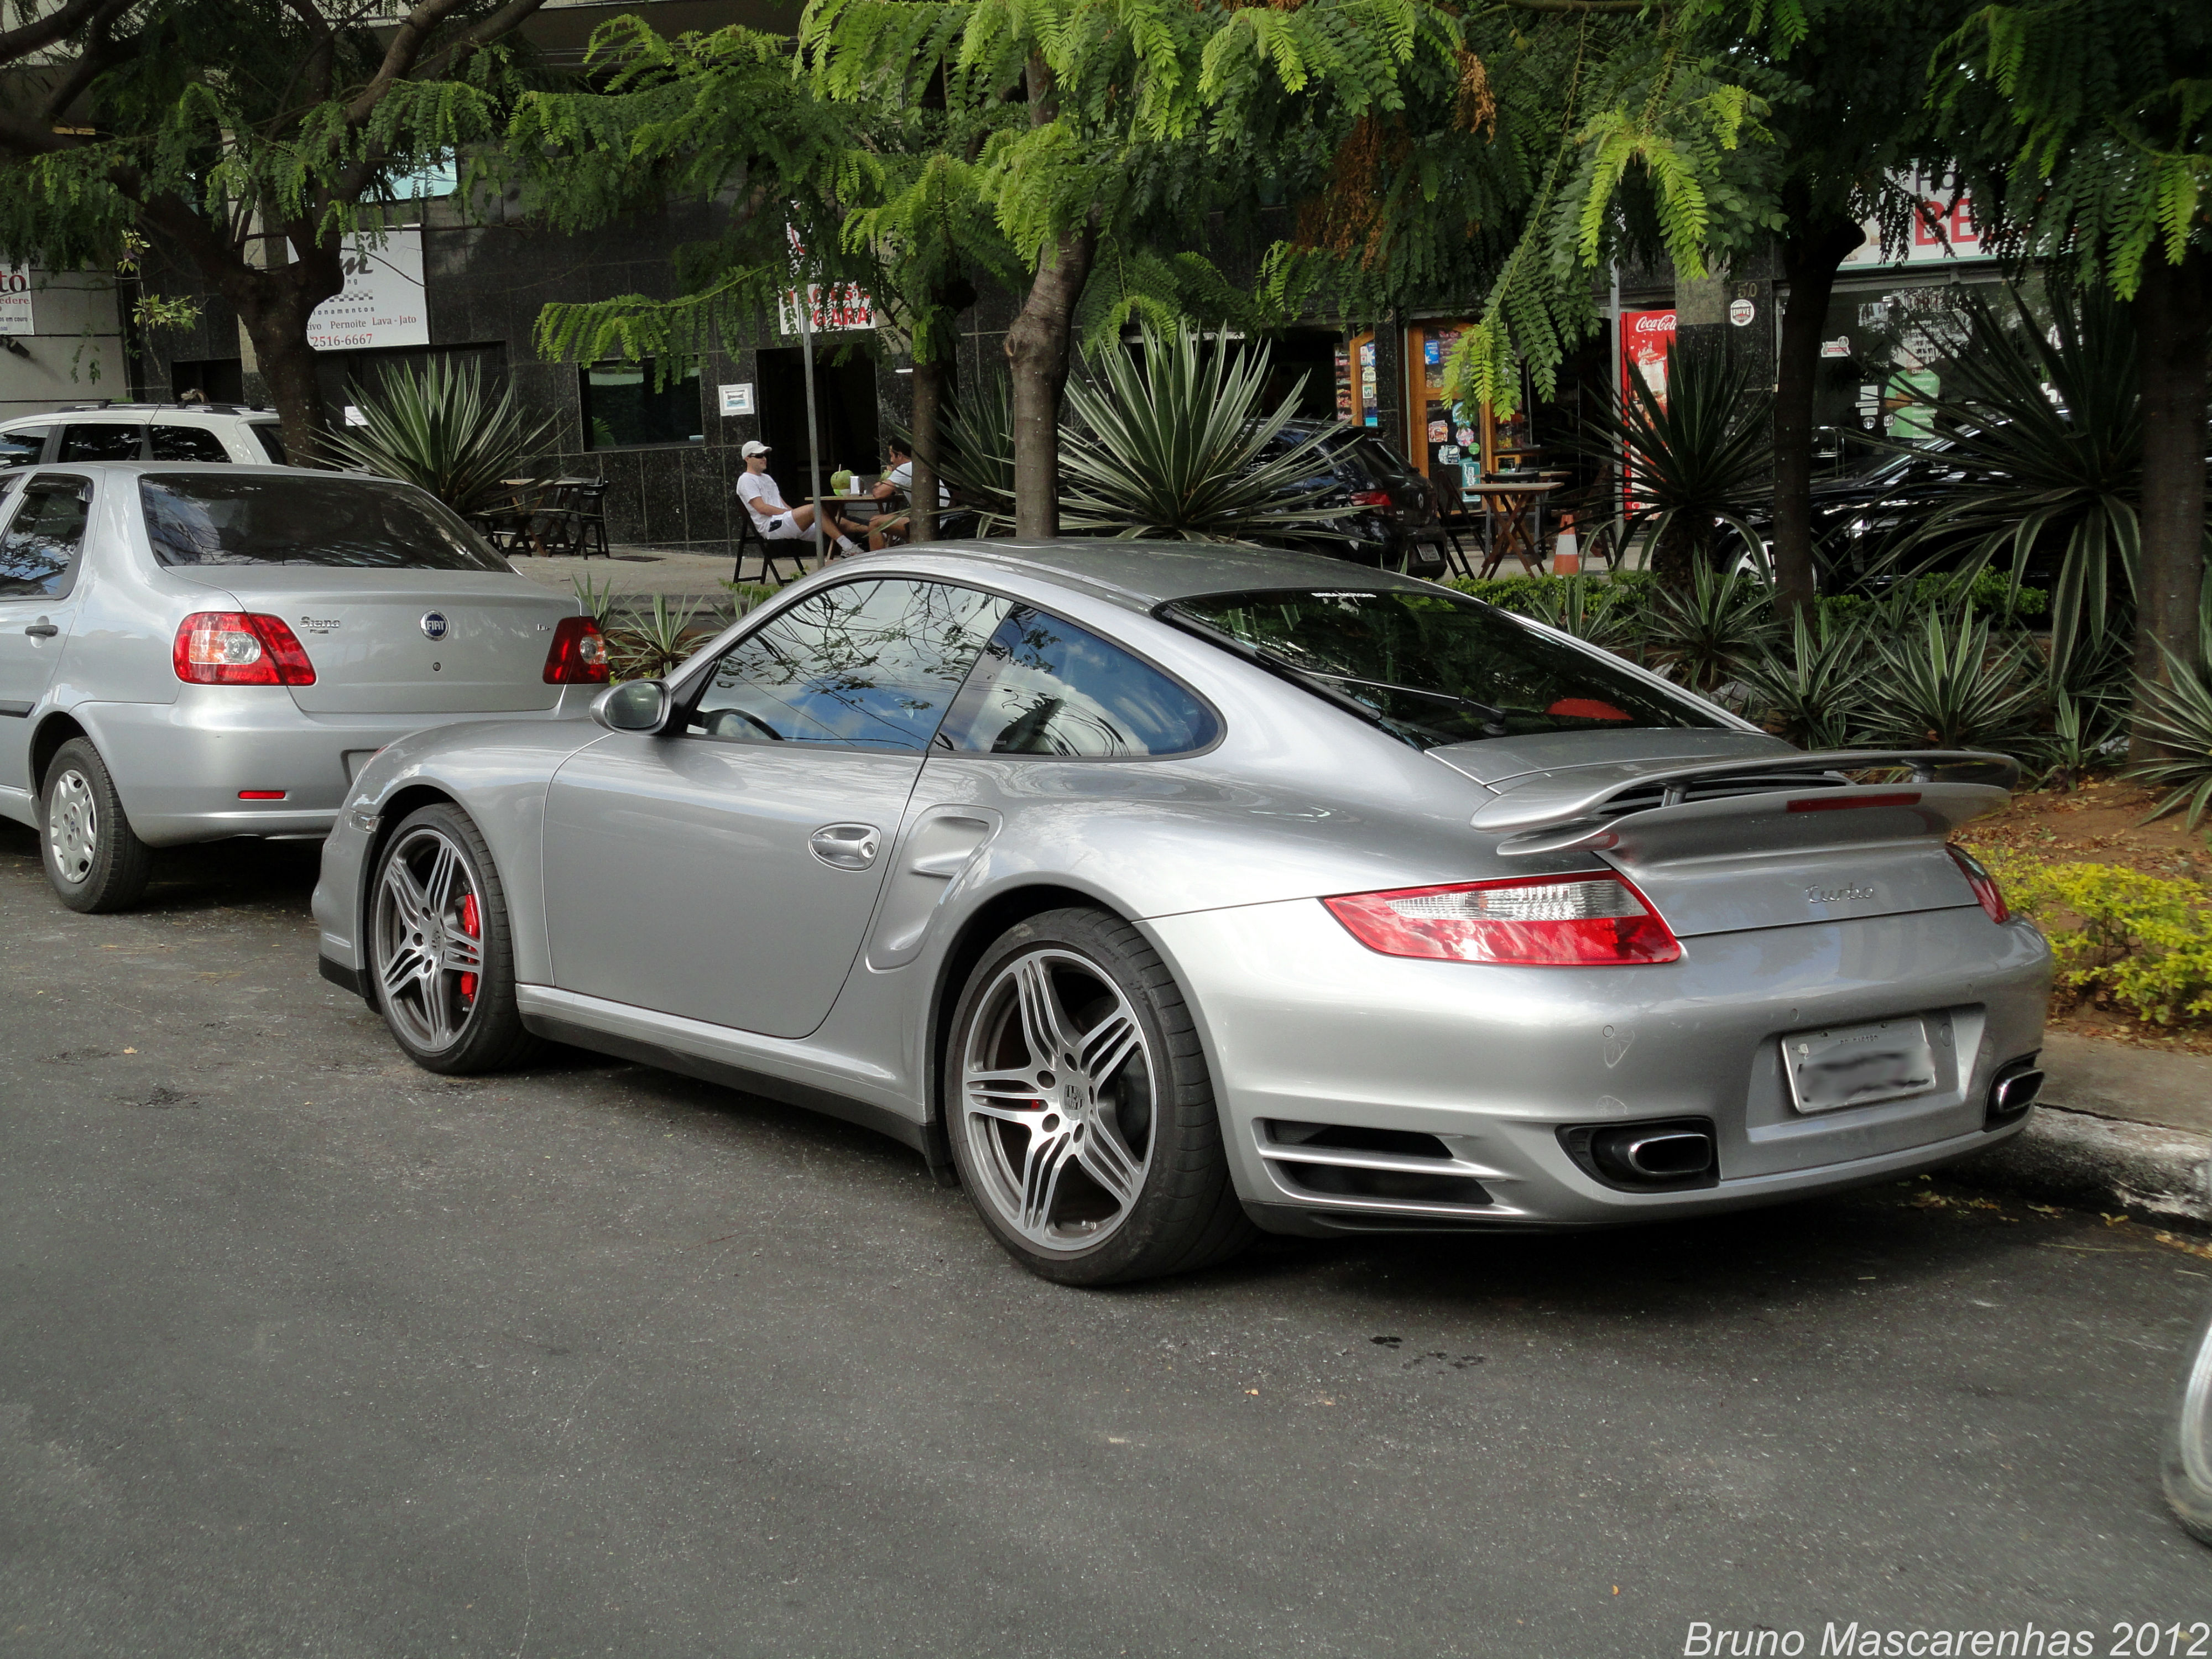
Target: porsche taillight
(234, 647)
(1987, 893)
(1582, 920)
(578, 655)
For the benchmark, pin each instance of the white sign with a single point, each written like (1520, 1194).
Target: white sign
(1839, 347)
(737, 399)
(382, 302)
(1941, 230)
(15, 301)
(838, 308)
(1741, 312)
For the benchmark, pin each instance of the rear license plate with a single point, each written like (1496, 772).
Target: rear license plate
(1858, 1065)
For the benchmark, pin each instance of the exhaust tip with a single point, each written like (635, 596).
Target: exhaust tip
(1664, 1155)
(2018, 1085)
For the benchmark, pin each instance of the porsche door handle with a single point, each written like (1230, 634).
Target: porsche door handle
(846, 845)
(42, 630)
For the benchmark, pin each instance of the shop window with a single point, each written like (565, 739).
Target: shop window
(629, 406)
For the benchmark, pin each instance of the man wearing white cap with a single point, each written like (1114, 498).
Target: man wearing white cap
(774, 521)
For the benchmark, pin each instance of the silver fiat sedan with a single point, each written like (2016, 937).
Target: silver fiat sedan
(194, 652)
(1166, 893)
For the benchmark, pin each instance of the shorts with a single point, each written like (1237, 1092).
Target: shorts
(778, 529)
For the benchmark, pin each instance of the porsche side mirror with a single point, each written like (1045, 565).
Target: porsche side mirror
(633, 706)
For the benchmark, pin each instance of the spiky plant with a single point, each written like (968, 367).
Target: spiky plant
(976, 432)
(1601, 614)
(1705, 633)
(2046, 434)
(1698, 460)
(593, 599)
(436, 427)
(650, 645)
(2180, 716)
(1178, 447)
(1814, 690)
(1949, 683)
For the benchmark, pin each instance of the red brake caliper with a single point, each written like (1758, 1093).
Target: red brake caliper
(472, 925)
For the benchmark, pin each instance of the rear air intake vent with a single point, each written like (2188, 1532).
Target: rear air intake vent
(1644, 797)
(1383, 1166)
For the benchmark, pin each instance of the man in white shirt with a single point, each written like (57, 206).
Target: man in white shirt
(775, 521)
(887, 530)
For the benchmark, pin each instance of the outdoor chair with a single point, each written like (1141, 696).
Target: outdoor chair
(749, 536)
(590, 517)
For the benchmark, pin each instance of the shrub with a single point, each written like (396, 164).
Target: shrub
(440, 428)
(2142, 942)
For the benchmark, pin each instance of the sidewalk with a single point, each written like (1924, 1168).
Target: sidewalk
(2120, 1128)
(644, 571)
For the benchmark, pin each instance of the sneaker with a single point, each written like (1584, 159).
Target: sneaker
(846, 545)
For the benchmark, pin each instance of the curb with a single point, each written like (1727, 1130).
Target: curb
(2101, 1163)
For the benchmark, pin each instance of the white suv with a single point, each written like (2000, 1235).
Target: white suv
(144, 432)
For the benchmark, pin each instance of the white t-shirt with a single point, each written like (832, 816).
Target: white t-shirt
(759, 488)
(902, 477)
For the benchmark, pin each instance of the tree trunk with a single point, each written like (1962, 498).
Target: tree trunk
(1037, 350)
(1811, 256)
(928, 403)
(2174, 315)
(274, 302)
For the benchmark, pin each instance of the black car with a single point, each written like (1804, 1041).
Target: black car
(1389, 516)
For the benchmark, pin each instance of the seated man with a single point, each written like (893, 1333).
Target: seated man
(887, 530)
(774, 521)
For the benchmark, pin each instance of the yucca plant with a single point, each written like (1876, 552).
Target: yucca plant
(2083, 733)
(1949, 683)
(436, 427)
(977, 433)
(1178, 447)
(2045, 429)
(2180, 716)
(593, 599)
(1814, 690)
(1699, 459)
(1705, 633)
(649, 646)
(1604, 615)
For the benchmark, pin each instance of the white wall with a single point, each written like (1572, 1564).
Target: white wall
(75, 344)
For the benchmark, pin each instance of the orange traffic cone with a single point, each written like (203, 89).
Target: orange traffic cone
(1566, 551)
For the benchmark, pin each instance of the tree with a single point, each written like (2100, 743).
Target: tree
(1116, 136)
(2088, 129)
(212, 127)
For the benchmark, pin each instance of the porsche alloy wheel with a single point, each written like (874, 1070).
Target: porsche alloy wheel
(440, 962)
(1083, 1120)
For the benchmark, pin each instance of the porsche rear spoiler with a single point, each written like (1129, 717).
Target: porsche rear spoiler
(1923, 793)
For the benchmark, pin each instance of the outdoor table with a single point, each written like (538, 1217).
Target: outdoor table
(1508, 505)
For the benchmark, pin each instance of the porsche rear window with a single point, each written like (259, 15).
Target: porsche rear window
(1433, 668)
(249, 518)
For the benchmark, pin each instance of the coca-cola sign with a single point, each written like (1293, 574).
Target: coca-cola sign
(1650, 322)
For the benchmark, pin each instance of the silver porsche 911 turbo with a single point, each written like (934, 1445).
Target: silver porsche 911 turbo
(1168, 893)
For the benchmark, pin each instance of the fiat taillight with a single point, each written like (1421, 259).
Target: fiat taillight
(233, 648)
(1987, 893)
(1584, 921)
(578, 655)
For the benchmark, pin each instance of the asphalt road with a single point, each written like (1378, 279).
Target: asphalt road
(303, 1351)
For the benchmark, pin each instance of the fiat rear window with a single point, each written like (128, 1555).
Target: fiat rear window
(352, 523)
(1433, 667)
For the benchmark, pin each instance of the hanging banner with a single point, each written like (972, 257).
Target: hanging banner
(837, 308)
(382, 303)
(15, 301)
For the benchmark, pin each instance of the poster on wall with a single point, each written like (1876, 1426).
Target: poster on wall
(1942, 227)
(382, 302)
(15, 301)
(837, 308)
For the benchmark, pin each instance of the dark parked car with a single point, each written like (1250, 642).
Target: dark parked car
(1390, 517)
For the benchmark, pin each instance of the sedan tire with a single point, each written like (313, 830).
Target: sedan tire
(440, 956)
(93, 858)
(1080, 1110)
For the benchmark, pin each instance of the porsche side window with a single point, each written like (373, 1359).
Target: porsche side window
(1047, 687)
(865, 664)
(39, 551)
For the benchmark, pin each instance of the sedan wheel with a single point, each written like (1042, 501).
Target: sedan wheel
(93, 858)
(1083, 1119)
(439, 958)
